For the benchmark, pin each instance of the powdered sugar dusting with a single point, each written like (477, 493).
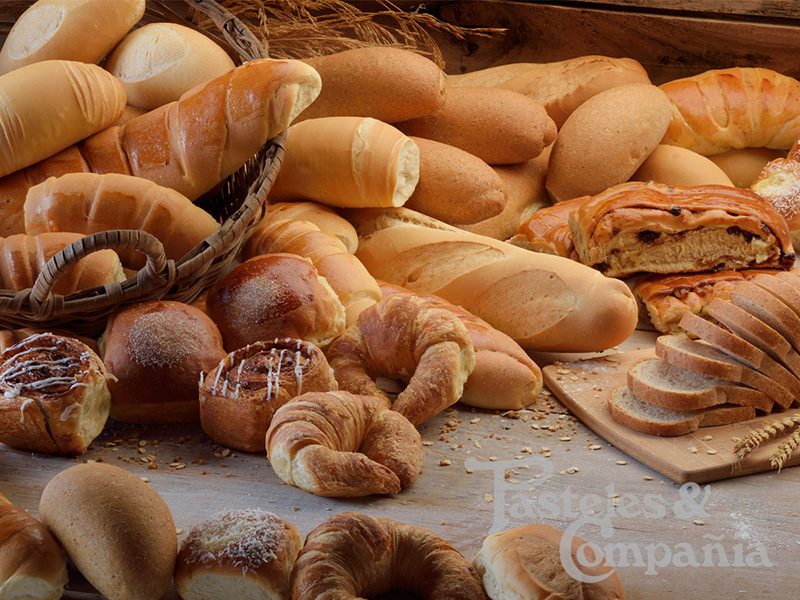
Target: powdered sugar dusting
(159, 339)
(259, 300)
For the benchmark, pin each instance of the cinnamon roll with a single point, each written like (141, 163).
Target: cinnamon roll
(55, 397)
(239, 396)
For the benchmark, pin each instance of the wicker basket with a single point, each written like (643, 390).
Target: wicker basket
(237, 202)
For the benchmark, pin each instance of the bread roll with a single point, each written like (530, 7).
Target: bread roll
(743, 166)
(9, 337)
(79, 30)
(455, 186)
(561, 86)
(158, 62)
(46, 109)
(114, 527)
(779, 184)
(238, 554)
(32, 564)
(275, 296)
(606, 139)
(324, 217)
(527, 562)
(157, 351)
(674, 165)
(543, 302)
(87, 203)
(24, 257)
(347, 161)
(498, 126)
(740, 107)
(381, 82)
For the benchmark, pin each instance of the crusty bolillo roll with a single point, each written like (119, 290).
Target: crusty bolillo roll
(57, 30)
(45, 109)
(87, 203)
(348, 162)
(23, 257)
(32, 564)
(351, 281)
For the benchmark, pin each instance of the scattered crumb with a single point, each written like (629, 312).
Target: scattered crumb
(622, 462)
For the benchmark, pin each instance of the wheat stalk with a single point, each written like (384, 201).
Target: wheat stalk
(785, 450)
(770, 431)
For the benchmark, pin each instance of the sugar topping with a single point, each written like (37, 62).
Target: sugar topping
(159, 339)
(248, 538)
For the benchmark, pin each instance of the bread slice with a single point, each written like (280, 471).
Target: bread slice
(768, 309)
(658, 382)
(628, 409)
(755, 331)
(703, 358)
(739, 348)
(781, 289)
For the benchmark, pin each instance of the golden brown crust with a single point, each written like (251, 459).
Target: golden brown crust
(156, 351)
(779, 184)
(548, 230)
(239, 396)
(355, 555)
(721, 109)
(636, 227)
(338, 444)
(406, 338)
(55, 395)
(275, 296)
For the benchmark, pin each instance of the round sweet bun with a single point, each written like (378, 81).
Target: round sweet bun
(275, 296)
(742, 166)
(674, 165)
(779, 184)
(156, 351)
(79, 30)
(525, 563)
(606, 140)
(158, 62)
(115, 528)
(238, 554)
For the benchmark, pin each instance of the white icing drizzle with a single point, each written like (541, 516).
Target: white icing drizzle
(67, 413)
(22, 410)
(60, 367)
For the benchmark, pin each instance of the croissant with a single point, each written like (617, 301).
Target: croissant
(240, 395)
(406, 338)
(32, 564)
(354, 555)
(351, 281)
(338, 444)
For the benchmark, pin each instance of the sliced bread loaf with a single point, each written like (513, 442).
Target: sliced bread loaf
(700, 357)
(768, 309)
(628, 409)
(781, 289)
(739, 348)
(658, 382)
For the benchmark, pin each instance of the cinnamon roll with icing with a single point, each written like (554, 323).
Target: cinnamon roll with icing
(55, 396)
(239, 396)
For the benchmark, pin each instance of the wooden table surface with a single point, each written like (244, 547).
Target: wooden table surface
(485, 471)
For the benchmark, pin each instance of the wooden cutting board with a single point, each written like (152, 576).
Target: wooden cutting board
(702, 456)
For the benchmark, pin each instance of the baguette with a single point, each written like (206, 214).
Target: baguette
(633, 412)
(23, 258)
(193, 144)
(87, 203)
(158, 62)
(68, 30)
(50, 105)
(351, 281)
(735, 108)
(561, 86)
(387, 84)
(543, 302)
(347, 162)
(455, 186)
(606, 140)
(32, 564)
(498, 126)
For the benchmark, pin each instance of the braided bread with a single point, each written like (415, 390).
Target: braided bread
(353, 555)
(408, 338)
(338, 444)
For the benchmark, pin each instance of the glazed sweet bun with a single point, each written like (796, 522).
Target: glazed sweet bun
(158, 62)
(156, 351)
(525, 562)
(779, 184)
(275, 296)
(236, 555)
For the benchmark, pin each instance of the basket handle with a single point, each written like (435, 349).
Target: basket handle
(149, 277)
